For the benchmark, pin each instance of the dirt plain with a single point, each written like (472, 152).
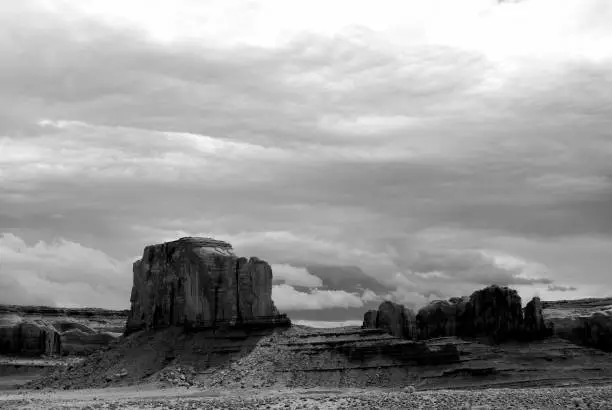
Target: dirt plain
(302, 367)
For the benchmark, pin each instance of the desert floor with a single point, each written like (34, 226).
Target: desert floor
(152, 397)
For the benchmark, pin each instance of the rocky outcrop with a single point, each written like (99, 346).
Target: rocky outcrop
(369, 319)
(199, 283)
(493, 312)
(396, 319)
(534, 326)
(19, 336)
(24, 336)
(441, 318)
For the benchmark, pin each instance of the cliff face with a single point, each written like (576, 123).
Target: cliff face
(533, 324)
(200, 282)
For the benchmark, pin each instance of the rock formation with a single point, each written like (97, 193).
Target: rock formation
(41, 330)
(199, 282)
(19, 336)
(493, 312)
(369, 319)
(27, 336)
(441, 318)
(396, 319)
(533, 321)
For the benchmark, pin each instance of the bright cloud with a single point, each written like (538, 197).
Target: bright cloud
(288, 298)
(64, 272)
(293, 276)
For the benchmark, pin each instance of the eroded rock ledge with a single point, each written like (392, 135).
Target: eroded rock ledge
(200, 283)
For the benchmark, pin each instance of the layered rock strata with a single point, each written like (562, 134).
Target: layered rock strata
(199, 283)
(26, 336)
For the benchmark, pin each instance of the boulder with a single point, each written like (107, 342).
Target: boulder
(199, 282)
(494, 312)
(396, 319)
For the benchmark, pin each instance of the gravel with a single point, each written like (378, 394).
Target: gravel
(585, 397)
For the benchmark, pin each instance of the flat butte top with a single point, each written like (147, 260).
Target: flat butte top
(201, 245)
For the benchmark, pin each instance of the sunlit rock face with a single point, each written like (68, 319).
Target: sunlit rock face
(200, 282)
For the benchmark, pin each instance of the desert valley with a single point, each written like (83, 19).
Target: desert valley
(203, 332)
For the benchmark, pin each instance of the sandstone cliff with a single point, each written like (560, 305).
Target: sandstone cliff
(199, 282)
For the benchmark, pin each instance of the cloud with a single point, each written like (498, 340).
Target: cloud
(14, 293)
(350, 278)
(288, 298)
(62, 273)
(472, 266)
(377, 146)
(290, 275)
(560, 288)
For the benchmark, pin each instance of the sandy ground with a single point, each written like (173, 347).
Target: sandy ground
(152, 397)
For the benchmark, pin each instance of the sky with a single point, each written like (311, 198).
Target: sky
(390, 150)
